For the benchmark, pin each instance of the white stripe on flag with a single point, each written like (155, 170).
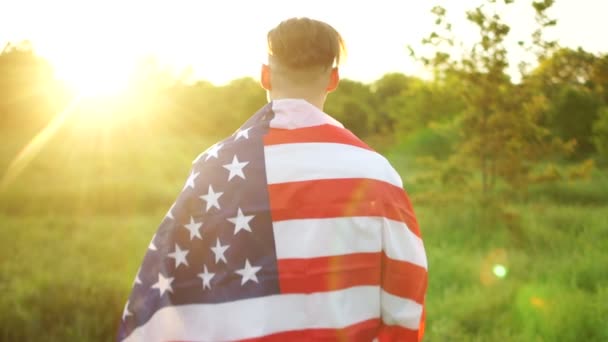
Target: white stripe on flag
(256, 317)
(312, 238)
(400, 311)
(311, 161)
(401, 244)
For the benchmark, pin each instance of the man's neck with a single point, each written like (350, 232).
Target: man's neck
(317, 101)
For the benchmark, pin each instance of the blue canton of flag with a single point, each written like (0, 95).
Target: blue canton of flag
(216, 243)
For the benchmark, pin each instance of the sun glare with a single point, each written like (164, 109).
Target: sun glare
(101, 77)
(499, 270)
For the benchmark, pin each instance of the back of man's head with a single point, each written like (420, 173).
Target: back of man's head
(302, 53)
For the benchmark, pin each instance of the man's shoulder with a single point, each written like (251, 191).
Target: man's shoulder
(329, 150)
(329, 144)
(381, 161)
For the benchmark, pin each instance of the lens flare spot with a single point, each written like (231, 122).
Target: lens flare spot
(499, 270)
(537, 302)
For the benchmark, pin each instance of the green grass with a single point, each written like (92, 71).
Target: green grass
(555, 288)
(74, 227)
(65, 278)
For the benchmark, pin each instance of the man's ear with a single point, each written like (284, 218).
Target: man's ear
(334, 79)
(265, 77)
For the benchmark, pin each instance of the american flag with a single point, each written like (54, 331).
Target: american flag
(292, 229)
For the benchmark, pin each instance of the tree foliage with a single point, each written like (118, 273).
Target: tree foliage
(600, 133)
(575, 83)
(29, 91)
(503, 124)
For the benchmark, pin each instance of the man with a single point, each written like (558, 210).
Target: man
(292, 229)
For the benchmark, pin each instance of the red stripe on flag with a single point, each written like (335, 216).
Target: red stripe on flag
(325, 198)
(315, 134)
(363, 331)
(410, 219)
(329, 273)
(404, 279)
(397, 333)
(399, 278)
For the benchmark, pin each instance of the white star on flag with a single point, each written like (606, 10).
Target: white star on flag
(242, 133)
(194, 228)
(179, 255)
(151, 246)
(206, 277)
(137, 281)
(163, 284)
(241, 222)
(212, 198)
(126, 312)
(235, 168)
(170, 213)
(248, 272)
(213, 151)
(219, 250)
(190, 181)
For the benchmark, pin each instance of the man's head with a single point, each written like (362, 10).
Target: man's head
(303, 55)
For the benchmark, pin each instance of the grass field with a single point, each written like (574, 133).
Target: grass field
(76, 223)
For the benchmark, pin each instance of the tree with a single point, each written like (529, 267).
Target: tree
(27, 85)
(389, 91)
(501, 124)
(600, 133)
(575, 83)
(354, 105)
(571, 117)
(205, 109)
(392, 85)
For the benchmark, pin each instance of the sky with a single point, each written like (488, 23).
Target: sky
(223, 40)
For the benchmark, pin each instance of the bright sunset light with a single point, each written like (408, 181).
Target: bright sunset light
(89, 80)
(94, 46)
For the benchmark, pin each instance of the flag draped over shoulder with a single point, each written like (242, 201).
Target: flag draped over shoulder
(290, 229)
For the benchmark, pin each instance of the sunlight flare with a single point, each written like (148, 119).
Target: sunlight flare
(31, 150)
(90, 81)
(499, 270)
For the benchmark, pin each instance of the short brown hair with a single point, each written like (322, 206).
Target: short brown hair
(303, 43)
